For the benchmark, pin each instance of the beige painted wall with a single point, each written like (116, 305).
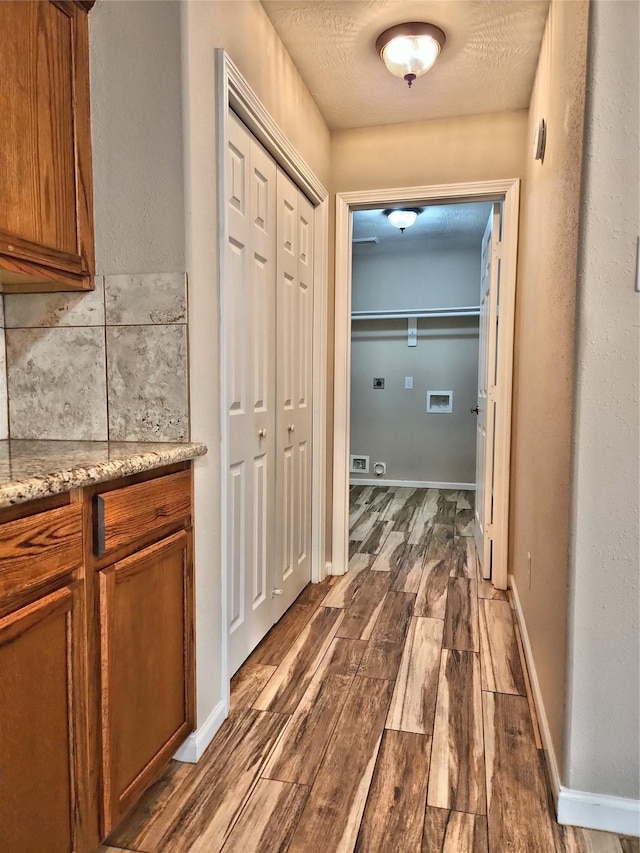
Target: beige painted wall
(243, 29)
(456, 150)
(136, 123)
(452, 150)
(603, 717)
(391, 425)
(543, 374)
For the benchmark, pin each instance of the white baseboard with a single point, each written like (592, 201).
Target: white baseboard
(545, 733)
(194, 746)
(599, 811)
(575, 808)
(414, 484)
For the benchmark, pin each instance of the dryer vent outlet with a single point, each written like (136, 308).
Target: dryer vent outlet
(379, 468)
(358, 464)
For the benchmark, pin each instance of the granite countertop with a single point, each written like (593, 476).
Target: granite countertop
(37, 469)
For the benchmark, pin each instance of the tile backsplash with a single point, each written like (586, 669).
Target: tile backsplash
(146, 383)
(110, 364)
(56, 383)
(132, 300)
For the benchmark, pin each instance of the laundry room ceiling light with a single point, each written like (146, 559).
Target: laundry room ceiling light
(409, 50)
(404, 218)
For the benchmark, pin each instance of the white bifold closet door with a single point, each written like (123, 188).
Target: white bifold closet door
(267, 307)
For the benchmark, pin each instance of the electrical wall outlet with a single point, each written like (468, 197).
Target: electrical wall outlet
(408, 383)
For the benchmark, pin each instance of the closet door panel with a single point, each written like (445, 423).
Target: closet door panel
(249, 316)
(286, 329)
(304, 388)
(294, 325)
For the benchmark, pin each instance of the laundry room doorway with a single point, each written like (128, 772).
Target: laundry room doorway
(424, 350)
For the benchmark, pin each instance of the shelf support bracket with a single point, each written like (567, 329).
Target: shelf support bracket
(412, 332)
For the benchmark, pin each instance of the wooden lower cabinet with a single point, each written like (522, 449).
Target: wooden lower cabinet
(97, 669)
(40, 773)
(146, 666)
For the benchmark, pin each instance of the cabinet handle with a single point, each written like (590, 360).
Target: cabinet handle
(99, 526)
(262, 433)
(292, 427)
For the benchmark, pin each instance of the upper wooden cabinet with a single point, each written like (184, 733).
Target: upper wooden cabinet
(46, 201)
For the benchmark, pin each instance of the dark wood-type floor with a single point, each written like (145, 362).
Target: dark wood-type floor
(388, 711)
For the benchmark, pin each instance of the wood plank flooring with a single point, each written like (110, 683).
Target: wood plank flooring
(389, 711)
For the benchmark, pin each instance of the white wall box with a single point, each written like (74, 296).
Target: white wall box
(439, 402)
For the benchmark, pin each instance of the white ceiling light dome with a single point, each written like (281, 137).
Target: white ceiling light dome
(409, 50)
(403, 218)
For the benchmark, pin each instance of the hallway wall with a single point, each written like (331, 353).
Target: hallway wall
(543, 369)
(603, 715)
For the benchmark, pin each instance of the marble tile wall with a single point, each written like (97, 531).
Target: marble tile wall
(110, 364)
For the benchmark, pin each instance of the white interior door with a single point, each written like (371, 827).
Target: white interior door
(487, 396)
(294, 355)
(250, 323)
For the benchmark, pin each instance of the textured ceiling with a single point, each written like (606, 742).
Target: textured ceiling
(438, 226)
(487, 64)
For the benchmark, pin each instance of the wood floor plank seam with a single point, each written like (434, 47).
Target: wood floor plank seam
(337, 801)
(325, 697)
(396, 803)
(288, 683)
(269, 817)
(272, 775)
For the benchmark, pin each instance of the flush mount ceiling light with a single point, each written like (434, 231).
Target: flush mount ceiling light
(404, 218)
(409, 50)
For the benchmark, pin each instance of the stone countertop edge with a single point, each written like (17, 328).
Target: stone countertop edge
(64, 480)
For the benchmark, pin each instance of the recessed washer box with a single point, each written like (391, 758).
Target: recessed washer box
(439, 402)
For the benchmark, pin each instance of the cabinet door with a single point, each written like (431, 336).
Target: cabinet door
(46, 219)
(38, 739)
(147, 679)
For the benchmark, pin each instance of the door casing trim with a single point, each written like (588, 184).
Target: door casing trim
(508, 192)
(233, 92)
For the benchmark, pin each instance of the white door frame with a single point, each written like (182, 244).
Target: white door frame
(507, 191)
(234, 92)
